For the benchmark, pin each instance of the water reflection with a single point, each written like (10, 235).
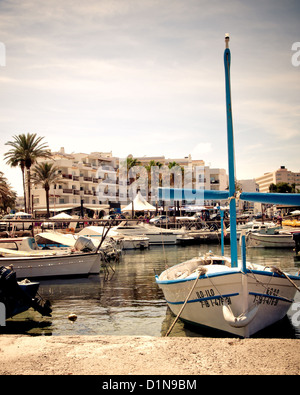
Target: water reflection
(131, 303)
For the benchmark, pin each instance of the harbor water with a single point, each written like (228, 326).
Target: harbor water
(127, 301)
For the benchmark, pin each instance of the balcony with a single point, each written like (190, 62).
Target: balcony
(87, 192)
(68, 191)
(107, 168)
(67, 176)
(109, 181)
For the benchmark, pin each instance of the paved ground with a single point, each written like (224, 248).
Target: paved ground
(122, 355)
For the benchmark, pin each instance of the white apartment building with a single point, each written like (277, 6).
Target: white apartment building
(96, 180)
(277, 176)
(195, 173)
(216, 179)
(243, 205)
(80, 179)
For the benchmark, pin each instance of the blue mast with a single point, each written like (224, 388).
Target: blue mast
(231, 164)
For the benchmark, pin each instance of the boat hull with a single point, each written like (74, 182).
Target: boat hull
(270, 241)
(125, 242)
(162, 239)
(156, 236)
(81, 264)
(135, 243)
(233, 290)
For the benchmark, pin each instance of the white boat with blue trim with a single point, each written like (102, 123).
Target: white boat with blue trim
(231, 299)
(228, 294)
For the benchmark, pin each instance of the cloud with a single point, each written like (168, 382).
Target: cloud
(147, 77)
(201, 150)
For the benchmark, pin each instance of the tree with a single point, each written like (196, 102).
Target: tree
(173, 165)
(294, 188)
(151, 182)
(132, 162)
(148, 167)
(282, 187)
(46, 174)
(151, 164)
(7, 195)
(272, 188)
(26, 149)
(3, 186)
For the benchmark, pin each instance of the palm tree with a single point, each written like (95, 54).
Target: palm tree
(46, 174)
(151, 181)
(152, 163)
(172, 164)
(27, 148)
(7, 195)
(3, 186)
(132, 162)
(176, 165)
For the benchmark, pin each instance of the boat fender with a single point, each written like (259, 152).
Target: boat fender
(242, 320)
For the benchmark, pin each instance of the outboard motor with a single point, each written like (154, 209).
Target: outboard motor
(20, 296)
(84, 244)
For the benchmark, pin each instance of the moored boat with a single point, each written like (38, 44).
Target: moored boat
(225, 298)
(233, 296)
(270, 240)
(157, 236)
(31, 262)
(126, 242)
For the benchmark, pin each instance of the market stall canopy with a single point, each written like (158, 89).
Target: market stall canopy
(139, 204)
(62, 216)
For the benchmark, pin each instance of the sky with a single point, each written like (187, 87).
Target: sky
(146, 77)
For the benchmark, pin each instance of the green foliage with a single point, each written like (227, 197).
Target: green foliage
(283, 187)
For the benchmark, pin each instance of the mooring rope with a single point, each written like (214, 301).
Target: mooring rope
(267, 287)
(202, 270)
(275, 269)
